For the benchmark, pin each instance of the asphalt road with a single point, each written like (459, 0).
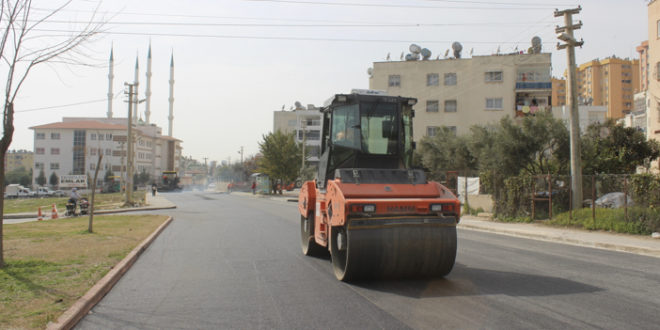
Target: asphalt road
(234, 262)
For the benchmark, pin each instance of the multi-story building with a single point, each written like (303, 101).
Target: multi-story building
(644, 66)
(15, 159)
(558, 92)
(73, 146)
(588, 114)
(611, 82)
(306, 123)
(653, 92)
(461, 92)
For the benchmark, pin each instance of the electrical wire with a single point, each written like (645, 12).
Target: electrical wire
(360, 4)
(62, 105)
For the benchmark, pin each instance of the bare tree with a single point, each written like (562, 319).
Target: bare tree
(25, 44)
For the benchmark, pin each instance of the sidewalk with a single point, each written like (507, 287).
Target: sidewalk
(158, 202)
(644, 245)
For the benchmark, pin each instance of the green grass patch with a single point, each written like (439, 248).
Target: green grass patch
(640, 220)
(103, 202)
(51, 264)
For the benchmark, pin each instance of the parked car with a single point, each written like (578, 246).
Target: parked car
(45, 192)
(59, 193)
(15, 190)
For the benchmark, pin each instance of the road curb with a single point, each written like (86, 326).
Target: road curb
(571, 241)
(80, 308)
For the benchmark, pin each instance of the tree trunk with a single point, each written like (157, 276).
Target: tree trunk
(8, 133)
(91, 202)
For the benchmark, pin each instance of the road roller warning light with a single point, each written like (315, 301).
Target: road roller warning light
(376, 215)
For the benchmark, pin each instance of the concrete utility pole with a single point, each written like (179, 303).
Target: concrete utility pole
(565, 34)
(303, 126)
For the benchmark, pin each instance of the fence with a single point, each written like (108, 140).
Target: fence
(631, 199)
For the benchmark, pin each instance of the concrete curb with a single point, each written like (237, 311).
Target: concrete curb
(571, 241)
(80, 308)
(14, 216)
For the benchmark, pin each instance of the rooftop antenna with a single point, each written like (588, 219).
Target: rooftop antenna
(388, 57)
(447, 53)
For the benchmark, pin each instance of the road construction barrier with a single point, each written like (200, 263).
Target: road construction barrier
(53, 214)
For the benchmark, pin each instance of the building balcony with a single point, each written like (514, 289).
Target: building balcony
(521, 85)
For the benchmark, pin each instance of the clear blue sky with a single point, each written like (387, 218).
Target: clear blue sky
(238, 61)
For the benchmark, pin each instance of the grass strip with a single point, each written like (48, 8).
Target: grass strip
(50, 264)
(103, 202)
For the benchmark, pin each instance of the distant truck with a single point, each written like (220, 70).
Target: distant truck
(169, 181)
(15, 190)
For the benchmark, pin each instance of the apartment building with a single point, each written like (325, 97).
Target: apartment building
(306, 123)
(611, 82)
(653, 92)
(15, 159)
(74, 145)
(558, 92)
(461, 92)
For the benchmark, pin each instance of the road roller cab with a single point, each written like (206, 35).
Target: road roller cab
(376, 215)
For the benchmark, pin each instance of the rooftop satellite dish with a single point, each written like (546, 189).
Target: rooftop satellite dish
(370, 72)
(298, 105)
(415, 49)
(536, 41)
(457, 47)
(426, 54)
(412, 57)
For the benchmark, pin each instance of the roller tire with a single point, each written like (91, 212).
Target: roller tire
(307, 243)
(404, 252)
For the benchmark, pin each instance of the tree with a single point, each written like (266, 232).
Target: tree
(41, 179)
(22, 48)
(445, 151)
(613, 149)
(281, 156)
(54, 180)
(19, 175)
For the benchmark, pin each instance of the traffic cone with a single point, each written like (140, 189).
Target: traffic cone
(53, 214)
(40, 216)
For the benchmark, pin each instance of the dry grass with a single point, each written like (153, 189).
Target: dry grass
(50, 264)
(103, 202)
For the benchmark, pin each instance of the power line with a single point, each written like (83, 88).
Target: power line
(63, 105)
(382, 5)
(494, 3)
(220, 36)
(298, 25)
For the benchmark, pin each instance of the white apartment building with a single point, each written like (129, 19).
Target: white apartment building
(462, 92)
(73, 146)
(307, 125)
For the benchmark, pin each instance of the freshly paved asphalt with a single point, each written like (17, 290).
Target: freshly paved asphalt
(232, 261)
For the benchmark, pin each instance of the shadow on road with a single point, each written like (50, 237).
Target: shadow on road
(465, 281)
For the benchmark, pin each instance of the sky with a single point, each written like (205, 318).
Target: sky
(238, 61)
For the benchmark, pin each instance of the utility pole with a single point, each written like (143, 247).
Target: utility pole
(129, 146)
(565, 34)
(303, 126)
(241, 152)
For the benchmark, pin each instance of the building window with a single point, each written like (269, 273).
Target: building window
(40, 151)
(92, 166)
(432, 106)
(432, 130)
(39, 166)
(41, 136)
(54, 166)
(79, 151)
(494, 104)
(432, 79)
(54, 136)
(452, 129)
(292, 123)
(451, 106)
(311, 135)
(394, 81)
(108, 152)
(494, 76)
(92, 151)
(54, 151)
(92, 136)
(450, 79)
(108, 137)
(100, 137)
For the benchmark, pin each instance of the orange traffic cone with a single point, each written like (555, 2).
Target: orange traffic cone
(53, 214)
(40, 215)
